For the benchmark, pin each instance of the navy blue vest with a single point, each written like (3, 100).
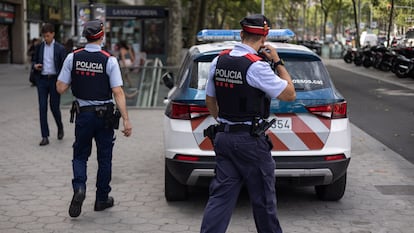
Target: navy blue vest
(89, 78)
(237, 100)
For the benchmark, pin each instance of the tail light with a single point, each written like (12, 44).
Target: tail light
(187, 158)
(334, 157)
(187, 111)
(333, 111)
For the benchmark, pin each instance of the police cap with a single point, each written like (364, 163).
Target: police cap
(93, 30)
(256, 24)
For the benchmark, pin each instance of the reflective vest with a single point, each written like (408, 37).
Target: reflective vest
(89, 78)
(237, 100)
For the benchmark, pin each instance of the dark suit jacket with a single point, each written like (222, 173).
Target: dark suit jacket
(59, 55)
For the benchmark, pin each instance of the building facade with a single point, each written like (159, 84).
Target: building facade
(12, 47)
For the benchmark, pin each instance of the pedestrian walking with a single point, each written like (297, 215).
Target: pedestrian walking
(239, 88)
(46, 64)
(94, 76)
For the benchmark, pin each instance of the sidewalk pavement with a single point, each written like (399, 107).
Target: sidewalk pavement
(372, 73)
(35, 182)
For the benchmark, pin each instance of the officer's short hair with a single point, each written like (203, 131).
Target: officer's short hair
(48, 27)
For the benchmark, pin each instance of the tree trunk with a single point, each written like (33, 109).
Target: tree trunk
(390, 24)
(193, 22)
(175, 33)
(356, 25)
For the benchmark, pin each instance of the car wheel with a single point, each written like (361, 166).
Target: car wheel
(174, 191)
(332, 192)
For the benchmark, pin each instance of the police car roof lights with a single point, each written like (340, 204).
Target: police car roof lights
(211, 35)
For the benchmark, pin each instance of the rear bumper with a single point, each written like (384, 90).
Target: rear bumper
(307, 172)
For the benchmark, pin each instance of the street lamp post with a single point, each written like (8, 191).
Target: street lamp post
(91, 16)
(263, 7)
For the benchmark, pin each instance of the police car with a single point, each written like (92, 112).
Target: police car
(311, 136)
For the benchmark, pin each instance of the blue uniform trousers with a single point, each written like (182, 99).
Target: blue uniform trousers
(47, 87)
(89, 126)
(242, 159)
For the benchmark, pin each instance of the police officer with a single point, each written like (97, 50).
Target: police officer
(239, 89)
(94, 75)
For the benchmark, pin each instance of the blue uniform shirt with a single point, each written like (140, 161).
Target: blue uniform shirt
(112, 70)
(259, 75)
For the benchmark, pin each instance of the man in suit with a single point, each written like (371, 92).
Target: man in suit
(47, 63)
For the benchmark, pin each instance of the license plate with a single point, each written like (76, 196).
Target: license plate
(282, 123)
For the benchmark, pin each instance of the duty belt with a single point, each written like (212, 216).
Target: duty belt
(233, 128)
(96, 108)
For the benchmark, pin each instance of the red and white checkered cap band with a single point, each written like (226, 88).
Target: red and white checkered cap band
(96, 36)
(257, 29)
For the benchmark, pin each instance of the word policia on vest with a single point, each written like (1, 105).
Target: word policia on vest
(89, 66)
(229, 76)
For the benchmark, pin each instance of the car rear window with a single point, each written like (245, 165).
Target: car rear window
(409, 34)
(306, 75)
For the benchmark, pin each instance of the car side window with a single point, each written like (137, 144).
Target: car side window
(183, 73)
(199, 75)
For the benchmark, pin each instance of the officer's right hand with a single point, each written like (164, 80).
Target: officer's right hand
(127, 128)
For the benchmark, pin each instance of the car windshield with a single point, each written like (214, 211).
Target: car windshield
(306, 75)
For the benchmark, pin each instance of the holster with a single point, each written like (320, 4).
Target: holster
(259, 126)
(75, 109)
(210, 132)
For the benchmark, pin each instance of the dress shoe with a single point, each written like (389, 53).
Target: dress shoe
(60, 133)
(101, 205)
(44, 141)
(75, 207)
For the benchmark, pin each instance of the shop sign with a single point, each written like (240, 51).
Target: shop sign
(84, 14)
(6, 13)
(54, 13)
(135, 12)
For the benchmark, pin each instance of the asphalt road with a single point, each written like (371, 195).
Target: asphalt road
(382, 109)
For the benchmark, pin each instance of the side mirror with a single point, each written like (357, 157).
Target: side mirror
(168, 79)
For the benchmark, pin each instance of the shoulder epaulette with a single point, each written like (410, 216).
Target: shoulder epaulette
(253, 57)
(78, 50)
(224, 52)
(105, 53)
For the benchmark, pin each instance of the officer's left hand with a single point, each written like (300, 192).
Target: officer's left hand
(127, 128)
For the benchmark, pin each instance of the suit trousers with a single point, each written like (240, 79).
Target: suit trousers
(46, 88)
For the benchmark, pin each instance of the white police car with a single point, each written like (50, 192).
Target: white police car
(311, 137)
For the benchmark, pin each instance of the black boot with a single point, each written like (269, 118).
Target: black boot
(101, 205)
(76, 203)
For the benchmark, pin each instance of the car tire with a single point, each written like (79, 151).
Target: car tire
(332, 192)
(173, 190)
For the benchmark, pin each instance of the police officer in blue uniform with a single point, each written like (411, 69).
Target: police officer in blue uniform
(239, 89)
(94, 76)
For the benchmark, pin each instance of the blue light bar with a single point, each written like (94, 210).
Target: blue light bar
(210, 35)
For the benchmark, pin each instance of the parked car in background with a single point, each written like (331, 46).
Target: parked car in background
(409, 38)
(311, 135)
(368, 39)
